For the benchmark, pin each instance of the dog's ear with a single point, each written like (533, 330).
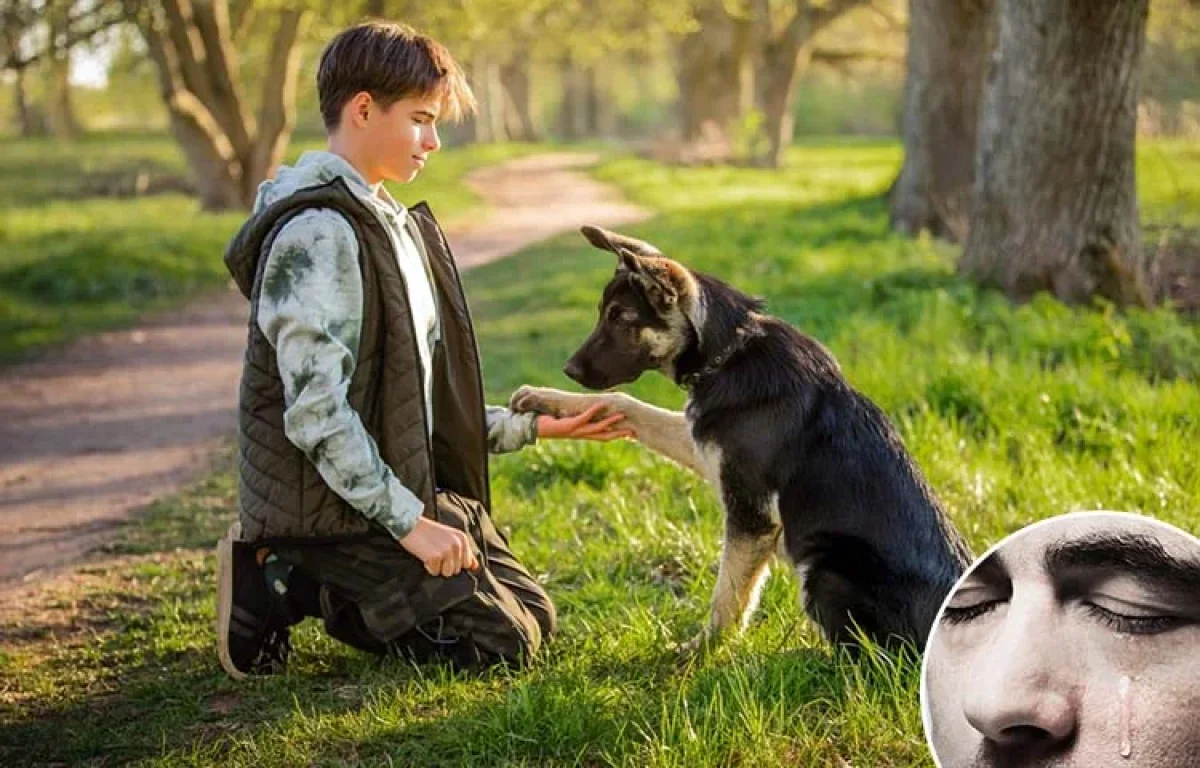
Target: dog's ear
(611, 241)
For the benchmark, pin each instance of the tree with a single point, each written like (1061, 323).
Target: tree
(948, 46)
(193, 46)
(40, 36)
(747, 57)
(1055, 203)
(712, 58)
(784, 43)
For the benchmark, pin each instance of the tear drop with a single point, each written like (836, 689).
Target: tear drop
(1125, 701)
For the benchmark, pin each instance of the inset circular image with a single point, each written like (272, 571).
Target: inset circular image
(1074, 642)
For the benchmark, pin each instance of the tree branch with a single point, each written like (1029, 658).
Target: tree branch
(832, 10)
(846, 56)
(277, 109)
(220, 64)
(71, 38)
(179, 32)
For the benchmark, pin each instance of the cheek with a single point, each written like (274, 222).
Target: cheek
(659, 344)
(947, 677)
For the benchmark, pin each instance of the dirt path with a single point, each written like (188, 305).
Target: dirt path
(97, 429)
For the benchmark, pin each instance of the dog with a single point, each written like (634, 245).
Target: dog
(804, 465)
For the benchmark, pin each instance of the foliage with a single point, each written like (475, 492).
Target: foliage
(1014, 413)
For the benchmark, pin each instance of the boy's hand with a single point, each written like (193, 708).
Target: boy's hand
(582, 426)
(444, 550)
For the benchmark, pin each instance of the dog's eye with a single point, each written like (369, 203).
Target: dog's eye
(614, 315)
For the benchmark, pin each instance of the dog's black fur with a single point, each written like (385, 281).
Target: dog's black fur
(858, 519)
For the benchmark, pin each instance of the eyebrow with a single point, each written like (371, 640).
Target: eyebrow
(425, 113)
(1137, 555)
(991, 570)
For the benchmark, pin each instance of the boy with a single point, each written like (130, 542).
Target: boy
(362, 430)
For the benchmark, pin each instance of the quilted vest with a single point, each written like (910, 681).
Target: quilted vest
(281, 494)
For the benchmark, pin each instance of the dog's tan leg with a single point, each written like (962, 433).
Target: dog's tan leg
(740, 579)
(665, 432)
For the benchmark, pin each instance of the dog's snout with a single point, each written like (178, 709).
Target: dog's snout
(573, 370)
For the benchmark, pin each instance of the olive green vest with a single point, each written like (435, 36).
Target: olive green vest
(281, 493)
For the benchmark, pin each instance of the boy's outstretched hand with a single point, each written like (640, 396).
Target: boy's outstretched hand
(582, 426)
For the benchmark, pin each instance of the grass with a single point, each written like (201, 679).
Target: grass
(1014, 413)
(72, 262)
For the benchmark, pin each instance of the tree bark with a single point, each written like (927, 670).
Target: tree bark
(710, 74)
(515, 79)
(778, 59)
(60, 112)
(948, 46)
(1055, 201)
(29, 119)
(228, 151)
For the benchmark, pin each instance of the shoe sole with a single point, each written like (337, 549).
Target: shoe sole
(225, 599)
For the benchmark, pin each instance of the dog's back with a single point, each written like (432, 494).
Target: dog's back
(865, 531)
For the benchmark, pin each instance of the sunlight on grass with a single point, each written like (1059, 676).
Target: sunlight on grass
(1014, 413)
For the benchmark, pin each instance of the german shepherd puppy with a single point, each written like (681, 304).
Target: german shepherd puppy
(804, 465)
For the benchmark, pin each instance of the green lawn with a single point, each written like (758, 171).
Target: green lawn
(72, 262)
(1014, 413)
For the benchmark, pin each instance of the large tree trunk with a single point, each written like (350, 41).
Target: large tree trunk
(948, 46)
(710, 75)
(1055, 204)
(518, 112)
(229, 152)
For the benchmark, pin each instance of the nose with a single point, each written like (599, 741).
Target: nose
(1024, 689)
(574, 370)
(430, 141)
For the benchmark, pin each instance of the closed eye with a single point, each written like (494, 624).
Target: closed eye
(963, 614)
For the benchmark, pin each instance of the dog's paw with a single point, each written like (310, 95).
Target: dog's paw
(531, 400)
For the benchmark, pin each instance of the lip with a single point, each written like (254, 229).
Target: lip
(420, 160)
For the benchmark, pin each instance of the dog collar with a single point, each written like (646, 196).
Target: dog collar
(689, 380)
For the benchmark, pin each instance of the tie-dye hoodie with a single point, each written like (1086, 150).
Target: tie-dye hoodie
(310, 309)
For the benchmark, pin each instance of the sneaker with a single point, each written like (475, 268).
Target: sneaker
(252, 630)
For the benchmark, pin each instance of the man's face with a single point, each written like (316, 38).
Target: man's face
(1076, 643)
(398, 139)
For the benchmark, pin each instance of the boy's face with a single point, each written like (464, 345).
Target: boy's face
(395, 141)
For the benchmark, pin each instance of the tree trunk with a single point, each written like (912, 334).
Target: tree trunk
(778, 58)
(591, 103)
(1055, 203)
(229, 152)
(948, 45)
(518, 113)
(710, 75)
(60, 113)
(573, 112)
(775, 82)
(29, 119)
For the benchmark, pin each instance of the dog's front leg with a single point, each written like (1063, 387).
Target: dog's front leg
(740, 578)
(665, 432)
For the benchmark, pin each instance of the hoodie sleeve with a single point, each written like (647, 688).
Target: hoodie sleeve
(310, 309)
(508, 431)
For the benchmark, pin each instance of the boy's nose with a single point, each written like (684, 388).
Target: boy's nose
(431, 142)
